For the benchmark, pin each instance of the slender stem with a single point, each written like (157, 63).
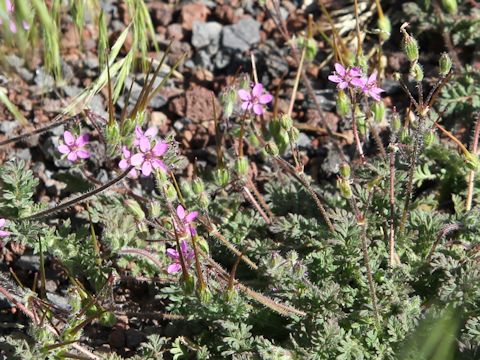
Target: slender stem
(198, 267)
(252, 200)
(231, 280)
(355, 129)
(357, 30)
(378, 140)
(471, 175)
(297, 79)
(242, 131)
(260, 198)
(391, 236)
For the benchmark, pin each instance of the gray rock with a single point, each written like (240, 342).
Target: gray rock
(304, 141)
(157, 102)
(59, 301)
(134, 338)
(22, 154)
(326, 99)
(7, 127)
(206, 35)
(222, 59)
(241, 35)
(28, 262)
(14, 61)
(72, 90)
(67, 71)
(43, 80)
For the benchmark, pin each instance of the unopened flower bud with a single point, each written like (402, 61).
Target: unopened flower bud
(345, 170)
(203, 201)
(404, 136)
(271, 148)
(286, 121)
(345, 188)
(170, 192)
(228, 99)
(189, 284)
(142, 230)
(253, 140)
(161, 177)
(241, 165)
(198, 186)
(154, 209)
(378, 109)
(230, 294)
(128, 127)
(472, 161)
(450, 6)
(282, 138)
(410, 46)
(343, 103)
(294, 134)
(274, 126)
(385, 27)
(202, 244)
(361, 121)
(204, 295)
(396, 122)
(221, 177)
(445, 64)
(429, 138)
(416, 72)
(135, 209)
(113, 133)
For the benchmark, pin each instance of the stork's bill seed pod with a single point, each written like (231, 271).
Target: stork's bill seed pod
(410, 46)
(450, 6)
(445, 64)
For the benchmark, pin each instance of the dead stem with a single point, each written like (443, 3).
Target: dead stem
(471, 175)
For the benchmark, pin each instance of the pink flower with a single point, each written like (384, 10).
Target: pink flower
(254, 99)
(187, 219)
(369, 86)
(74, 148)
(344, 77)
(125, 162)
(3, 233)
(139, 134)
(149, 156)
(187, 253)
(9, 6)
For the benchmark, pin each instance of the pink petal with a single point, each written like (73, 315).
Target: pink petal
(151, 132)
(372, 78)
(266, 98)
(123, 164)
(4, 233)
(244, 95)
(257, 90)
(147, 168)
(180, 212)
(64, 149)
(245, 105)
(144, 144)
(13, 26)
(355, 72)
(174, 268)
(340, 69)
(9, 6)
(2, 222)
(133, 173)
(335, 78)
(184, 247)
(192, 230)
(72, 156)
(343, 85)
(26, 25)
(81, 140)
(159, 164)
(137, 159)
(258, 109)
(359, 82)
(138, 132)
(69, 138)
(126, 152)
(83, 154)
(172, 253)
(160, 148)
(191, 216)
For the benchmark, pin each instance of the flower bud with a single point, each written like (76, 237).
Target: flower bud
(271, 148)
(404, 136)
(472, 161)
(228, 99)
(128, 127)
(189, 284)
(230, 294)
(142, 230)
(345, 170)
(445, 64)
(396, 122)
(378, 109)
(410, 46)
(204, 295)
(416, 72)
(198, 186)
(294, 134)
(385, 27)
(253, 140)
(221, 177)
(343, 103)
(282, 139)
(286, 121)
(108, 318)
(154, 209)
(274, 126)
(202, 244)
(241, 165)
(135, 209)
(203, 201)
(113, 133)
(344, 187)
(170, 192)
(429, 138)
(161, 177)
(450, 6)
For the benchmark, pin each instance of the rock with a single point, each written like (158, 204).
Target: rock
(22, 154)
(206, 35)
(28, 262)
(44, 81)
(175, 31)
(193, 12)
(8, 127)
(196, 104)
(161, 13)
(304, 141)
(241, 35)
(116, 338)
(134, 338)
(72, 91)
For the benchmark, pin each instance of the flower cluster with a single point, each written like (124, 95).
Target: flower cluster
(187, 220)
(146, 154)
(187, 253)
(12, 25)
(255, 99)
(73, 147)
(345, 77)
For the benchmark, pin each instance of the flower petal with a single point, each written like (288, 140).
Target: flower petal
(244, 95)
(126, 152)
(355, 72)
(144, 144)
(184, 247)
(64, 149)
(69, 138)
(138, 132)
(146, 168)
(174, 268)
(72, 156)
(159, 164)
(137, 159)
(123, 164)
(160, 148)
(172, 253)
(133, 173)
(4, 233)
(335, 78)
(2, 222)
(265, 98)
(180, 212)
(191, 216)
(81, 140)
(151, 132)
(245, 105)
(258, 109)
(83, 154)
(257, 90)
(13, 27)
(340, 69)
(359, 82)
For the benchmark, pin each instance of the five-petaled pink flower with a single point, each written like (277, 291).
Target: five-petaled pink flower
(187, 253)
(3, 233)
(74, 147)
(255, 99)
(149, 156)
(343, 77)
(369, 86)
(125, 163)
(187, 220)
